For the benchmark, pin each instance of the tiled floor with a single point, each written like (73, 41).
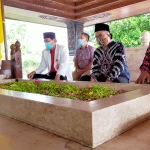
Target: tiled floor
(15, 135)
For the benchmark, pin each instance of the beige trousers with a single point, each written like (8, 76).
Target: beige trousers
(76, 77)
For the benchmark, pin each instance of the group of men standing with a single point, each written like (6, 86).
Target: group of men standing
(105, 64)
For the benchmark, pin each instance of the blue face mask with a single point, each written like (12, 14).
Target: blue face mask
(81, 42)
(48, 46)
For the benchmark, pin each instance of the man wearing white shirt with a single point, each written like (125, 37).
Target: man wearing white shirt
(56, 58)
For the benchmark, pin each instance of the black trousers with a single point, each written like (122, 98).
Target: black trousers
(102, 78)
(51, 76)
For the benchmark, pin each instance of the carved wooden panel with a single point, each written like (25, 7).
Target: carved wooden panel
(55, 18)
(79, 29)
(74, 30)
(71, 37)
(68, 10)
(97, 16)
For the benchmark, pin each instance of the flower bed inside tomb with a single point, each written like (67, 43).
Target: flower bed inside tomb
(84, 112)
(87, 93)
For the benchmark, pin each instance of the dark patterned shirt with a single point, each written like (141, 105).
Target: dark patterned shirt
(146, 62)
(110, 63)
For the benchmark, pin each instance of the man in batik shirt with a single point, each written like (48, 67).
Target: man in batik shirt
(145, 69)
(109, 63)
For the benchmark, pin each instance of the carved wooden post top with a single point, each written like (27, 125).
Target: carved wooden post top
(17, 44)
(13, 49)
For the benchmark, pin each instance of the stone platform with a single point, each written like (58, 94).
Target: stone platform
(88, 123)
(15, 135)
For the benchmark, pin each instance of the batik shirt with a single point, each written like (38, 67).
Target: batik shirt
(146, 62)
(110, 63)
(83, 57)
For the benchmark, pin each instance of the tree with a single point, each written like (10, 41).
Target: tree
(127, 31)
(17, 31)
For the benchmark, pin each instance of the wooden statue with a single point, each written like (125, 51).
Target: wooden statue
(12, 54)
(13, 68)
(16, 60)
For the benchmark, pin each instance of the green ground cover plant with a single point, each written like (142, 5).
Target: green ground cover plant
(89, 93)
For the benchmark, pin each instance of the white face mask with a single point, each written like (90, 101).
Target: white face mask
(101, 42)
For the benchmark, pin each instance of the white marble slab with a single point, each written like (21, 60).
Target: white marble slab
(89, 123)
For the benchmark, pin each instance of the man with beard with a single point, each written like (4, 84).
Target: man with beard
(109, 63)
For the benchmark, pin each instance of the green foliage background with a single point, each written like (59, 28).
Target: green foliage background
(127, 31)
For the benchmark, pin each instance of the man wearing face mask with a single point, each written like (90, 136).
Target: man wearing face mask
(83, 58)
(55, 58)
(109, 63)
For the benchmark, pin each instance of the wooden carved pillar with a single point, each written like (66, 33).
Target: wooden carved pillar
(74, 31)
(13, 68)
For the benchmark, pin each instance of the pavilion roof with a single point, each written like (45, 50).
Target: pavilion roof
(87, 11)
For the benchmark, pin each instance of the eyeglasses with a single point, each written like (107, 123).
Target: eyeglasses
(99, 36)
